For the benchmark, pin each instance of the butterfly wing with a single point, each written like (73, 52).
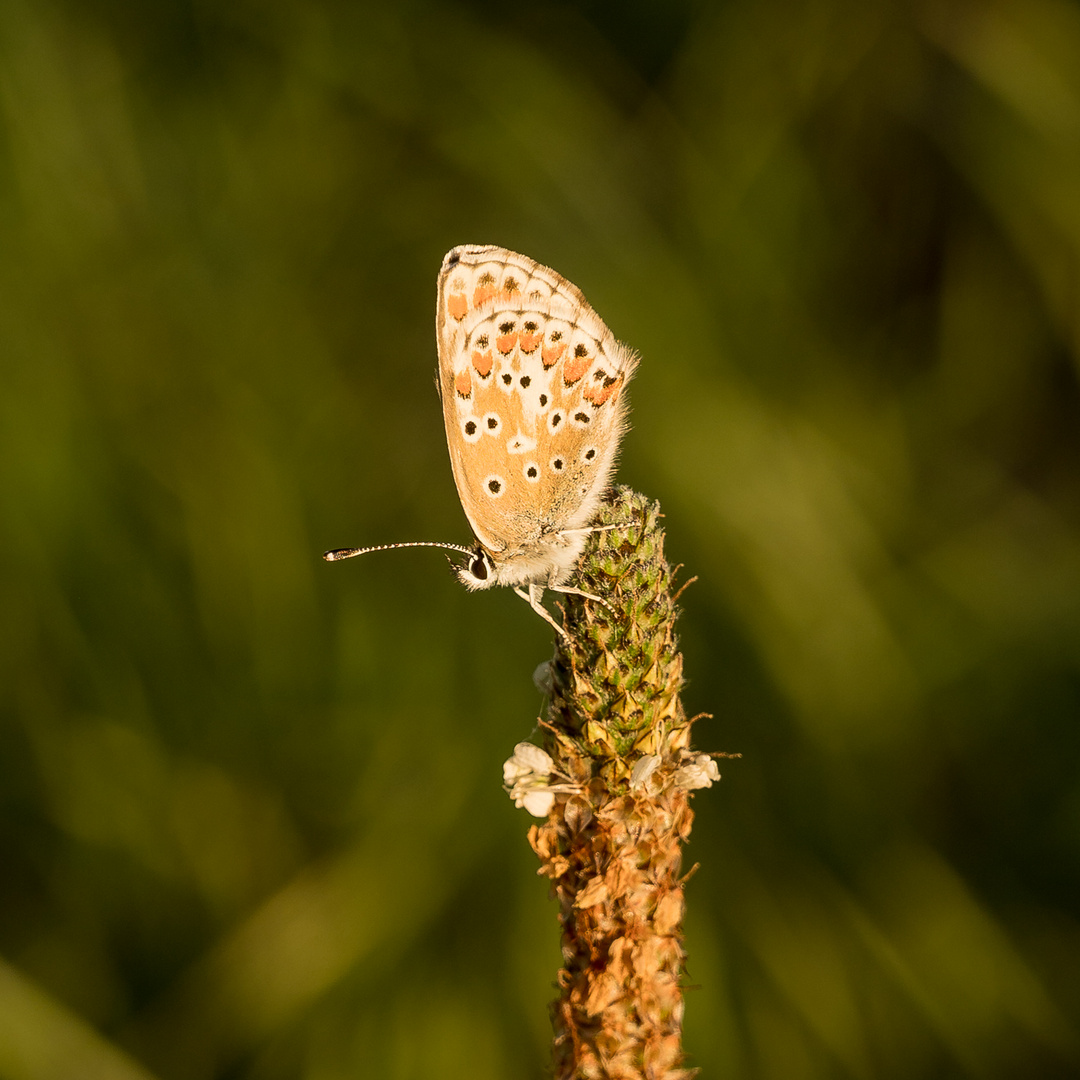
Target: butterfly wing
(532, 385)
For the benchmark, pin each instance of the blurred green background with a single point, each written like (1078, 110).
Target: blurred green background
(252, 823)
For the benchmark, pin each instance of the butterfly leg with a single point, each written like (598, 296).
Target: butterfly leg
(570, 590)
(586, 529)
(532, 597)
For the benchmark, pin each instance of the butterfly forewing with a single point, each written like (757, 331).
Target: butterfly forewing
(532, 388)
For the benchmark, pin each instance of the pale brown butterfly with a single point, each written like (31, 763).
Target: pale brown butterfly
(533, 394)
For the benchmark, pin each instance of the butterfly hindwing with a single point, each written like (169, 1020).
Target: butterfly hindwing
(532, 388)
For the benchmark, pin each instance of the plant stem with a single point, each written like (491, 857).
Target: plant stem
(613, 850)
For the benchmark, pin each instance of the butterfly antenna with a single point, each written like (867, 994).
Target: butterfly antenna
(347, 553)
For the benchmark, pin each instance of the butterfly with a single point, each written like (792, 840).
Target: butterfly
(533, 394)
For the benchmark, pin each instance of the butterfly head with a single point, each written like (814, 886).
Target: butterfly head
(480, 572)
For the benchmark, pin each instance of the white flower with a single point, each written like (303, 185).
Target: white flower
(699, 771)
(527, 779)
(527, 759)
(644, 767)
(538, 801)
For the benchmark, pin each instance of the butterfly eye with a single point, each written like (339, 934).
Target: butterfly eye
(479, 569)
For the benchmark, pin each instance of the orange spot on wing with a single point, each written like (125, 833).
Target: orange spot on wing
(573, 369)
(463, 383)
(482, 362)
(551, 353)
(457, 305)
(599, 394)
(506, 342)
(481, 294)
(530, 342)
